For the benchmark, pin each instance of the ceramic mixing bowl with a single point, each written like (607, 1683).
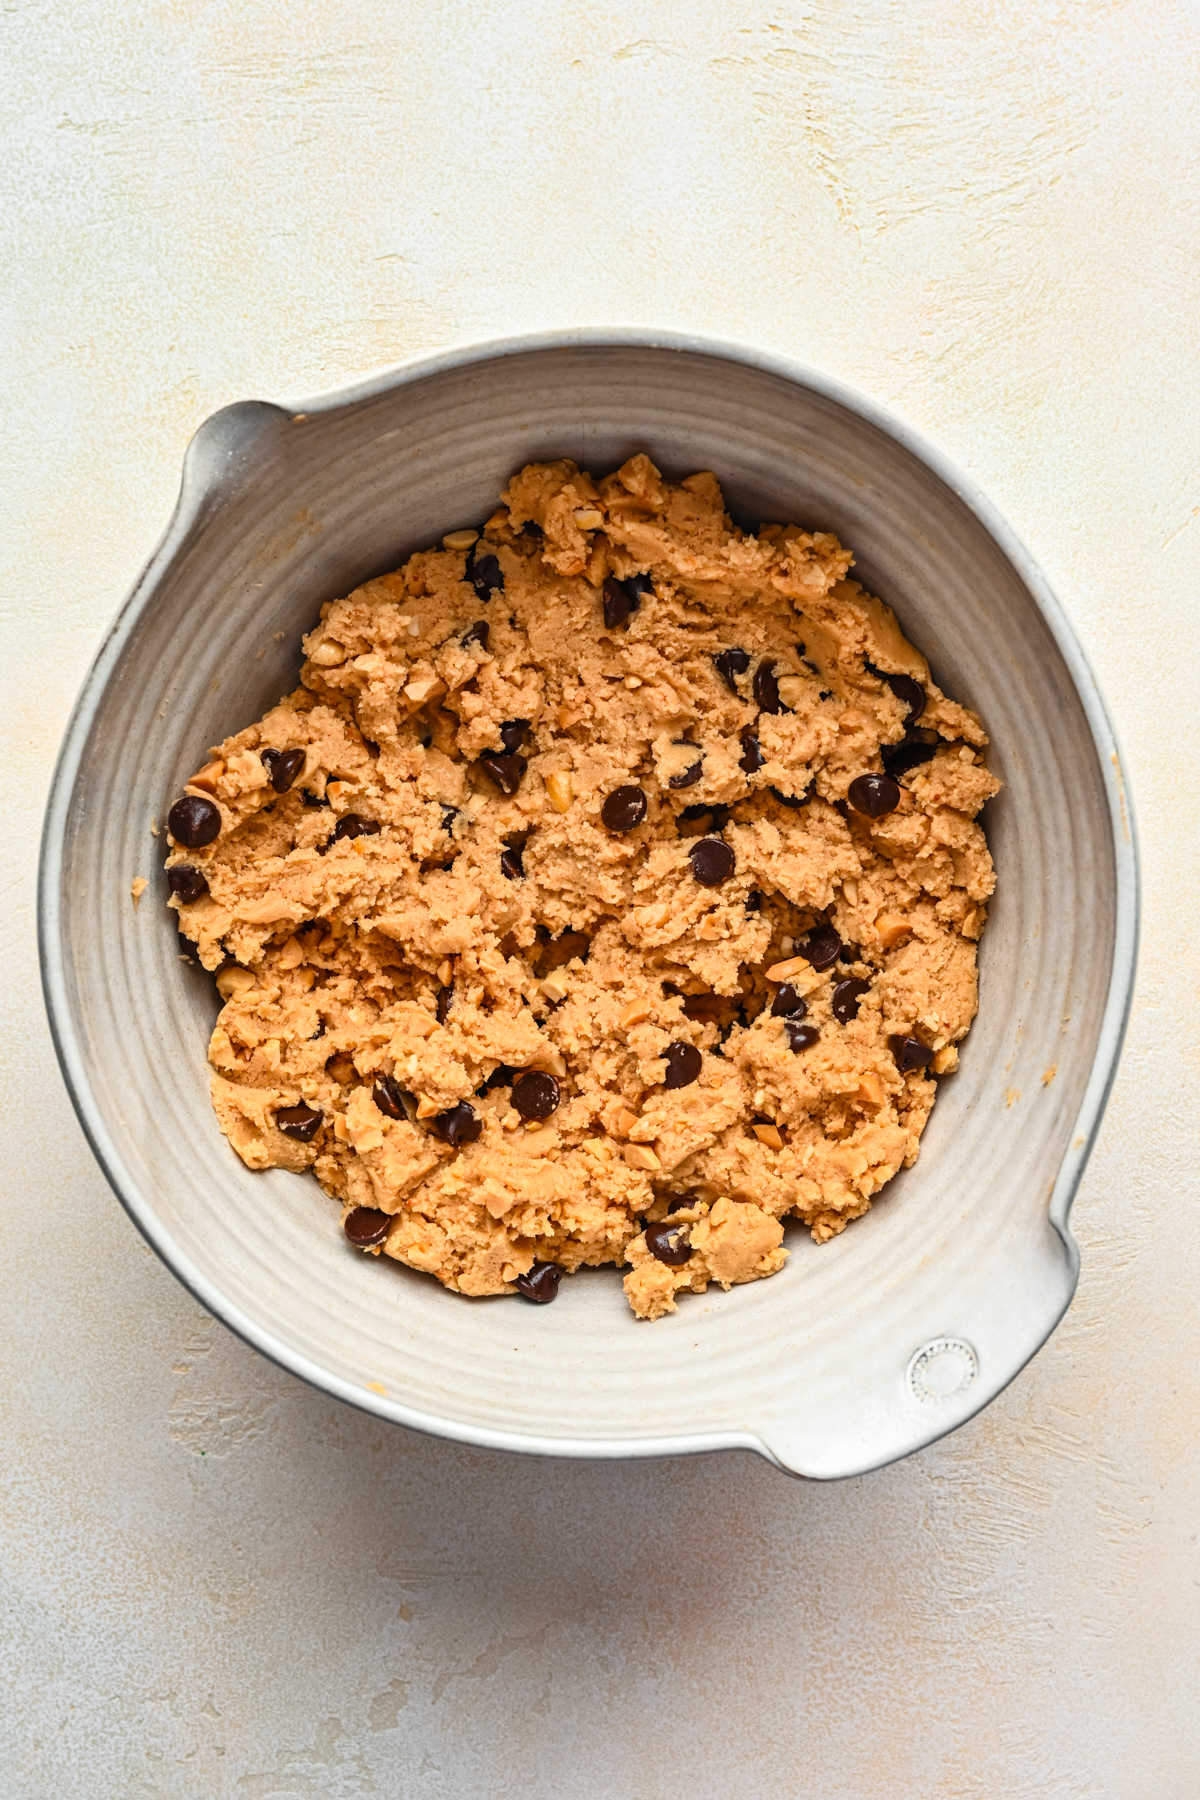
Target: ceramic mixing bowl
(858, 1351)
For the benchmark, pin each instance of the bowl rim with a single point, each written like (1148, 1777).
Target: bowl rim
(195, 496)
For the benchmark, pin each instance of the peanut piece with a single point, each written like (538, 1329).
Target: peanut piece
(946, 1061)
(783, 971)
(460, 540)
(768, 1135)
(206, 779)
(560, 790)
(426, 1108)
(640, 1156)
(588, 518)
(422, 688)
(635, 1014)
(291, 954)
(892, 929)
(234, 982)
(554, 988)
(623, 1121)
(327, 654)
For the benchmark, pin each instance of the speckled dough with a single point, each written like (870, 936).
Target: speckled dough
(466, 933)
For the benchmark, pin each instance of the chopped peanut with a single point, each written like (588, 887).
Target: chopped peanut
(560, 790)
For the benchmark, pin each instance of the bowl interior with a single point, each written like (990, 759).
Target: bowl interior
(280, 511)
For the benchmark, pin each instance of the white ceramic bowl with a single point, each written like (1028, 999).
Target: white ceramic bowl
(857, 1352)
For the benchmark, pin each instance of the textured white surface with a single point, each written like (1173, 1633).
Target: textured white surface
(215, 1582)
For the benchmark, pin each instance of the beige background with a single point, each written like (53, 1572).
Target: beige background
(215, 1582)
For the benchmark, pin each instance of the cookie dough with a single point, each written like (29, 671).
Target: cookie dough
(607, 892)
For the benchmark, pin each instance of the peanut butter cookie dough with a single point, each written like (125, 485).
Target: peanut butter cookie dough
(608, 892)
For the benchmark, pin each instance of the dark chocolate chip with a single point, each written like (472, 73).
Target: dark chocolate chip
(684, 1063)
(800, 1037)
(187, 882)
(501, 1076)
(678, 1202)
(712, 862)
(282, 767)
(754, 901)
(911, 692)
(300, 1122)
(848, 954)
(766, 689)
(389, 1097)
(505, 772)
(485, 574)
(669, 1244)
(792, 800)
(900, 759)
(624, 809)
(441, 1004)
(910, 1053)
(513, 733)
(512, 863)
(752, 757)
(707, 815)
(476, 634)
(874, 795)
(846, 996)
(194, 821)
(353, 825)
(690, 776)
(535, 1094)
(821, 947)
(618, 601)
(639, 585)
(308, 799)
(540, 1283)
(459, 1124)
(730, 664)
(788, 1003)
(449, 814)
(365, 1225)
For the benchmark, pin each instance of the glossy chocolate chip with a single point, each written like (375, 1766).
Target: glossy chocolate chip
(618, 600)
(512, 856)
(194, 821)
(485, 575)
(729, 665)
(911, 692)
(821, 947)
(789, 1003)
(754, 901)
(353, 825)
(690, 776)
(846, 996)
(389, 1097)
(365, 1225)
(909, 1052)
(678, 1202)
(282, 767)
(874, 795)
(766, 689)
(513, 733)
(459, 1124)
(752, 757)
(792, 800)
(476, 634)
(540, 1283)
(501, 1076)
(300, 1122)
(669, 1244)
(441, 1004)
(504, 772)
(623, 809)
(800, 1037)
(449, 814)
(684, 1063)
(535, 1094)
(900, 759)
(712, 862)
(187, 883)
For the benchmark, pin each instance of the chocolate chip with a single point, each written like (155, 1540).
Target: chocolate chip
(752, 757)
(800, 1037)
(187, 882)
(912, 694)
(690, 776)
(684, 1063)
(512, 863)
(441, 1004)
(501, 1076)
(910, 1053)
(639, 585)
(706, 815)
(874, 795)
(712, 862)
(846, 996)
(506, 772)
(535, 1094)
(449, 814)
(792, 800)
(788, 1003)
(476, 634)
(389, 1097)
(540, 1283)
(624, 809)
(899, 759)
(194, 821)
(353, 825)
(282, 767)
(821, 947)
(766, 689)
(730, 664)
(365, 1225)
(669, 1244)
(458, 1124)
(308, 799)
(618, 601)
(485, 575)
(754, 901)
(513, 733)
(848, 953)
(678, 1202)
(300, 1122)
